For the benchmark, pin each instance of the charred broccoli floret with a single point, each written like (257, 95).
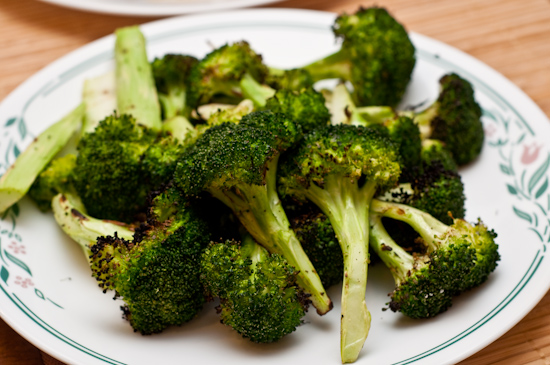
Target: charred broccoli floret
(469, 252)
(295, 79)
(340, 168)
(376, 56)
(157, 274)
(237, 164)
(259, 297)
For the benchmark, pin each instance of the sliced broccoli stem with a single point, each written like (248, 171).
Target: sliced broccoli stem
(430, 229)
(81, 227)
(399, 261)
(173, 103)
(347, 207)
(99, 96)
(135, 85)
(259, 209)
(255, 91)
(17, 180)
(334, 66)
(179, 127)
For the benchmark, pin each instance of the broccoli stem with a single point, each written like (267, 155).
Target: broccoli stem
(179, 127)
(334, 66)
(173, 103)
(430, 229)
(81, 227)
(17, 180)
(399, 261)
(259, 209)
(255, 91)
(99, 96)
(347, 207)
(135, 85)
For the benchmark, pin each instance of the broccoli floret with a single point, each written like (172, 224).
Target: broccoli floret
(423, 285)
(319, 242)
(259, 297)
(159, 161)
(108, 175)
(226, 70)
(455, 119)
(434, 150)
(157, 274)
(340, 168)
(306, 107)
(237, 164)
(294, 79)
(469, 252)
(171, 74)
(56, 178)
(376, 56)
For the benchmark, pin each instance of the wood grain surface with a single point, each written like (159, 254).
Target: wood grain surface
(511, 36)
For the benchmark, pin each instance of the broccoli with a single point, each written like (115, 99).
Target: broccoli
(306, 107)
(258, 294)
(135, 87)
(469, 252)
(435, 150)
(18, 179)
(56, 178)
(229, 70)
(423, 284)
(295, 79)
(319, 242)
(171, 74)
(157, 274)
(376, 56)
(237, 164)
(455, 119)
(340, 168)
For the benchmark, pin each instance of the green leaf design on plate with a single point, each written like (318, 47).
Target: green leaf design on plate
(523, 215)
(4, 274)
(39, 294)
(511, 189)
(22, 129)
(542, 189)
(16, 151)
(505, 169)
(18, 262)
(538, 174)
(10, 122)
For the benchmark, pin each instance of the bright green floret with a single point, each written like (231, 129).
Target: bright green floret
(56, 178)
(376, 56)
(306, 107)
(228, 71)
(340, 168)
(259, 297)
(171, 73)
(237, 164)
(157, 274)
(468, 252)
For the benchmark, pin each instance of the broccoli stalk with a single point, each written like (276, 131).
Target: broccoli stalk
(340, 168)
(469, 252)
(99, 97)
(81, 227)
(17, 180)
(135, 86)
(237, 164)
(376, 56)
(421, 289)
(258, 293)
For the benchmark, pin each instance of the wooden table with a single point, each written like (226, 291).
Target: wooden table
(511, 36)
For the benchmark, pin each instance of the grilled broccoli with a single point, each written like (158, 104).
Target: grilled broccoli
(230, 70)
(376, 56)
(435, 150)
(237, 164)
(340, 168)
(157, 274)
(295, 79)
(258, 294)
(469, 252)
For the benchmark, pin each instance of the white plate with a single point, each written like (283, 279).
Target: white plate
(156, 7)
(48, 296)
